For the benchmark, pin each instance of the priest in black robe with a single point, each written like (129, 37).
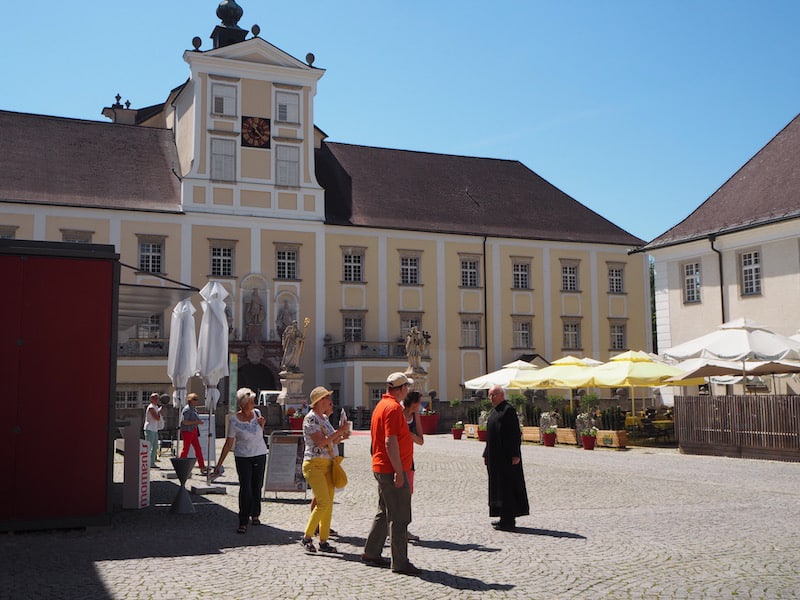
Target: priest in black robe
(508, 497)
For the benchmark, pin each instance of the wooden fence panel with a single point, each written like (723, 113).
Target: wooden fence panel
(750, 426)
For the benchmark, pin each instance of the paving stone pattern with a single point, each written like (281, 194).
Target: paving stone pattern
(639, 523)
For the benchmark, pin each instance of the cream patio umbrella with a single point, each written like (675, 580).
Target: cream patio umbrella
(501, 377)
(633, 369)
(182, 357)
(568, 372)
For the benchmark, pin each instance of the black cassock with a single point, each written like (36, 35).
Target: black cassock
(508, 497)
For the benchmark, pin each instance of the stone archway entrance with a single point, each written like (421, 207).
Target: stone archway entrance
(258, 377)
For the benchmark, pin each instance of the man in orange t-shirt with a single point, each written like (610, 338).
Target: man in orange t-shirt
(392, 453)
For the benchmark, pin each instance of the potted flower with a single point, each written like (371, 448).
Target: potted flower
(549, 435)
(457, 430)
(429, 419)
(548, 426)
(588, 438)
(482, 432)
(295, 419)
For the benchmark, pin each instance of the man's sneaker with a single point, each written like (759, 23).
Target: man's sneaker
(409, 569)
(326, 547)
(308, 546)
(378, 561)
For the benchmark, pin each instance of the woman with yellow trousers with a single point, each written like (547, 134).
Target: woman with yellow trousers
(321, 441)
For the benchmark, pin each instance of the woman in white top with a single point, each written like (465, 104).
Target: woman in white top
(152, 423)
(321, 439)
(246, 437)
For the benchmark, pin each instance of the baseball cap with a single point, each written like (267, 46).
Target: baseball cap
(397, 379)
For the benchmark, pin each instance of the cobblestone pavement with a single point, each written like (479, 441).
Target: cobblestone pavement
(638, 523)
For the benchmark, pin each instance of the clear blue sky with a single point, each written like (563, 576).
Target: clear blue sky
(638, 109)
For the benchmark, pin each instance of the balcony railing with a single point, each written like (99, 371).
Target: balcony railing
(144, 347)
(365, 350)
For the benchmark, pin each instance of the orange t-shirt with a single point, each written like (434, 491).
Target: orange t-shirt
(388, 420)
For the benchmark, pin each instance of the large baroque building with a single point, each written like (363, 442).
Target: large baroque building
(229, 180)
(736, 255)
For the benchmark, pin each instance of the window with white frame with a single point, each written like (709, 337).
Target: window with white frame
(521, 334)
(469, 272)
(691, 282)
(130, 399)
(569, 275)
(223, 159)
(223, 99)
(521, 274)
(353, 264)
(151, 254)
(288, 107)
(222, 255)
(76, 236)
(616, 279)
(470, 332)
(408, 322)
(353, 328)
(619, 337)
(151, 328)
(287, 165)
(751, 272)
(8, 232)
(572, 335)
(409, 270)
(286, 263)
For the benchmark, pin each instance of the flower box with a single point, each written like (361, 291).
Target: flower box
(566, 436)
(531, 434)
(608, 438)
(430, 423)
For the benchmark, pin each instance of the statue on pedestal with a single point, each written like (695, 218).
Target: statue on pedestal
(293, 341)
(417, 344)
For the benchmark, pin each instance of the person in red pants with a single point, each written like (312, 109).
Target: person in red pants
(190, 433)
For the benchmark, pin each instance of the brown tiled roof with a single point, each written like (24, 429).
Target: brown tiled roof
(765, 190)
(53, 160)
(399, 189)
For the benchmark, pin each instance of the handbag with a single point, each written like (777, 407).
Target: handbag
(339, 476)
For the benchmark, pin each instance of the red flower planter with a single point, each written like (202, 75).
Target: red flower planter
(481, 435)
(588, 442)
(296, 423)
(457, 433)
(549, 439)
(429, 423)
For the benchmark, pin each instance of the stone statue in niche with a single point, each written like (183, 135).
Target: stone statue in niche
(254, 316)
(293, 341)
(285, 317)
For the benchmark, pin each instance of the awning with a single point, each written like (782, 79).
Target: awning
(138, 302)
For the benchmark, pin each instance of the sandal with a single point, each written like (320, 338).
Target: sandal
(255, 521)
(242, 529)
(326, 547)
(308, 545)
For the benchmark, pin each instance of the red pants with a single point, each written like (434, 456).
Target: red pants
(190, 438)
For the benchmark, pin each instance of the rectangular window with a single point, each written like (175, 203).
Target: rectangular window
(470, 333)
(691, 282)
(572, 336)
(76, 236)
(131, 399)
(288, 107)
(150, 328)
(286, 264)
(223, 99)
(751, 273)
(569, 278)
(407, 323)
(619, 339)
(521, 276)
(222, 261)
(288, 165)
(223, 160)
(8, 232)
(376, 392)
(409, 270)
(353, 266)
(616, 280)
(522, 334)
(353, 329)
(150, 256)
(469, 272)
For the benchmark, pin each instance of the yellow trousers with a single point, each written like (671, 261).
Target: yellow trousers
(319, 475)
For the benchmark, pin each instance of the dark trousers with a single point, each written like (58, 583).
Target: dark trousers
(251, 479)
(394, 514)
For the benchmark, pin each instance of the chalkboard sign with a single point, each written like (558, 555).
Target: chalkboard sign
(285, 463)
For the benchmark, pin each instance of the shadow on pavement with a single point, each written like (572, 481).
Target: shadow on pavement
(550, 533)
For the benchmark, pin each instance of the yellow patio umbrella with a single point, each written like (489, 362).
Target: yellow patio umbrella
(569, 372)
(631, 369)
